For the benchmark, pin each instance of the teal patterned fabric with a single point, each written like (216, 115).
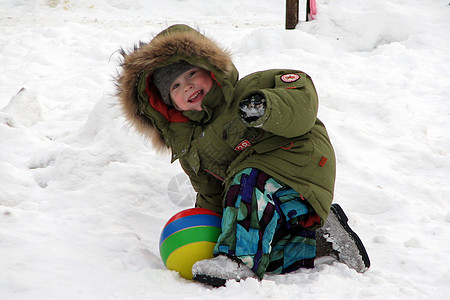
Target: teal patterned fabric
(260, 225)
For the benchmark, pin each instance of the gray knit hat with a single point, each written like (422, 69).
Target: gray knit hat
(165, 76)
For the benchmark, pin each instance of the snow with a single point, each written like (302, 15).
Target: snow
(83, 198)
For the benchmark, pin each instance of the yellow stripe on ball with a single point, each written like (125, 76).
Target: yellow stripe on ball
(183, 258)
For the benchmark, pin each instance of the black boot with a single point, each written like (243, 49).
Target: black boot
(338, 241)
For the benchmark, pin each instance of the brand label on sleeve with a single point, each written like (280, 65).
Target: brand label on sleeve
(291, 77)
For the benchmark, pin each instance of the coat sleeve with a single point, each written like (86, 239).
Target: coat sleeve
(292, 101)
(209, 190)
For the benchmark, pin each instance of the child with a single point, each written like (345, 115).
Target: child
(253, 148)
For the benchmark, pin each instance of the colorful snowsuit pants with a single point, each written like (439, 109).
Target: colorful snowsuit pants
(262, 225)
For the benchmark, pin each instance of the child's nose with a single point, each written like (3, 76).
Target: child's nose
(188, 86)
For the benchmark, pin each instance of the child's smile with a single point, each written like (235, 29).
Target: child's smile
(195, 97)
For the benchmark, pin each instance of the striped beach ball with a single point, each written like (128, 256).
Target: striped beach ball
(189, 236)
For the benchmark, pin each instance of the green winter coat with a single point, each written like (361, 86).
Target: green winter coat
(288, 142)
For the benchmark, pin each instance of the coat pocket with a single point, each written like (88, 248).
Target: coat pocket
(298, 151)
(272, 143)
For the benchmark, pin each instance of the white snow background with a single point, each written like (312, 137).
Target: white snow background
(83, 199)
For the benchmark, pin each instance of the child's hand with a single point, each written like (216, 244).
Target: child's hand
(253, 108)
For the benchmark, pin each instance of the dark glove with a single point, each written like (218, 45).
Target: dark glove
(253, 108)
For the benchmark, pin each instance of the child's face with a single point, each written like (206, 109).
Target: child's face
(189, 89)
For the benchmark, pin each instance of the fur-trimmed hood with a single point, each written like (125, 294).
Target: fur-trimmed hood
(141, 102)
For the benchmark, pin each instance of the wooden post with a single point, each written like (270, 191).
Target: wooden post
(308, 10)
(291, 14)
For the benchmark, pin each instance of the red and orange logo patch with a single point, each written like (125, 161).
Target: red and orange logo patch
(242, 145)
(289, 78)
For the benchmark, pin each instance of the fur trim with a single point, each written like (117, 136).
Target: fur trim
(146, 57)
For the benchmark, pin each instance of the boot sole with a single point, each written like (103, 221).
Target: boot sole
(208, 280)
(348, 257)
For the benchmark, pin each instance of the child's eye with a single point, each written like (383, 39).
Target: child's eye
(176, 85)
(192, 74)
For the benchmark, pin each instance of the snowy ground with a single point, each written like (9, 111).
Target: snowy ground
(83, 199)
